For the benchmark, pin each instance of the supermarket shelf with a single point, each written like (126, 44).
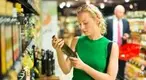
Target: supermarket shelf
(28, 7)
(53, 77)
(17, 66)
(29, 45)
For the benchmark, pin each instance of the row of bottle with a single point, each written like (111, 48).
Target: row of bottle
(40, 62)
(142, 56)
(132, 72)
(9, 43)
(138, 62)
(136, 68)
(48, 63)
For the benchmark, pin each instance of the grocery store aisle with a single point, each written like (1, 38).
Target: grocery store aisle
(47, 32)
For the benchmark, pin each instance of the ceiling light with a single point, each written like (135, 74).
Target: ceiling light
(135, 4)
(87, 2)
(131, 6)
(62, 5)
(127, 1)
(68, 4)
(105, 0)
(102, 5)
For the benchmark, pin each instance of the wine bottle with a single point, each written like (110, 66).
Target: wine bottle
(67, 50)
(43, 62)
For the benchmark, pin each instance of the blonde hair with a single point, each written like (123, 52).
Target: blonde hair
(95, 12)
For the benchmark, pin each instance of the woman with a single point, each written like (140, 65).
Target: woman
(91, 49)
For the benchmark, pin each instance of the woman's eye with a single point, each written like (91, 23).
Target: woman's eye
(86, 23)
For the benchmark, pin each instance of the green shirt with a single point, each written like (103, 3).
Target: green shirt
(93, 53)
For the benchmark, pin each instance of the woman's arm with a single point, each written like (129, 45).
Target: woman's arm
(112, 67)
(64, 64)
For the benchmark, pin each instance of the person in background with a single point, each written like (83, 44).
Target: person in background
(92, 61)
(118, 31)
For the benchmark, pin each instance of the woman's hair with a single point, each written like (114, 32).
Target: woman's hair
(95, 12)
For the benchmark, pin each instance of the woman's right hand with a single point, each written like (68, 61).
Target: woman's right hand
(57, 43)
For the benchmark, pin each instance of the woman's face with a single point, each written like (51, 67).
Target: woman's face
(88, 24)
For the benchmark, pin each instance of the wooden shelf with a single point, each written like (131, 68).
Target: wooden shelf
(53, 77)
(29, 7)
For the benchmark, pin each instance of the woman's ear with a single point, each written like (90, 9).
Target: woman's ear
(97, 19)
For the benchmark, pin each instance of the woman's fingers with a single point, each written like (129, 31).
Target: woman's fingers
(53, 43)
(73, 62)
(59, 43)
(54, 40)
(73, 59)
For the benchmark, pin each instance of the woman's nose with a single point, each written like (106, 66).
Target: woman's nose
(82, 27)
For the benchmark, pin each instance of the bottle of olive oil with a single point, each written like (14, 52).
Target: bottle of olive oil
(67, 50)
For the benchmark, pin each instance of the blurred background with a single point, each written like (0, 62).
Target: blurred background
(27, 27)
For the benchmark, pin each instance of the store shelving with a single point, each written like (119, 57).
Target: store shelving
(11, 53)
(136, 68)
(30, 6)
(10, 40)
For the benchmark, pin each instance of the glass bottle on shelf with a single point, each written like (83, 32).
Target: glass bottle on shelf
(43, 62)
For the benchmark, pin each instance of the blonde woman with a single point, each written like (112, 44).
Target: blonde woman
(91, 49)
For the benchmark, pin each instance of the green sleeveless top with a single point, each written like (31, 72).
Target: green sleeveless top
(93, 53)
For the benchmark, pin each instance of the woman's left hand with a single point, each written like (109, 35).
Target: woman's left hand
(77, 63)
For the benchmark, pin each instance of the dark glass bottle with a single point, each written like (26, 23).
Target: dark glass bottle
(67, 50)
(48, 63)
(43, 62)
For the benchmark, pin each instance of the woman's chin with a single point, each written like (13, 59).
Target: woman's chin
(87, 34)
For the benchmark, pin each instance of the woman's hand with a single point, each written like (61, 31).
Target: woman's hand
(77, 63)
(57, 43)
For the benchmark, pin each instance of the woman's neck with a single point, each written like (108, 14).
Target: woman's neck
(95, 36)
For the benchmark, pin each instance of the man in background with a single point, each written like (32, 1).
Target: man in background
(118, 31)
